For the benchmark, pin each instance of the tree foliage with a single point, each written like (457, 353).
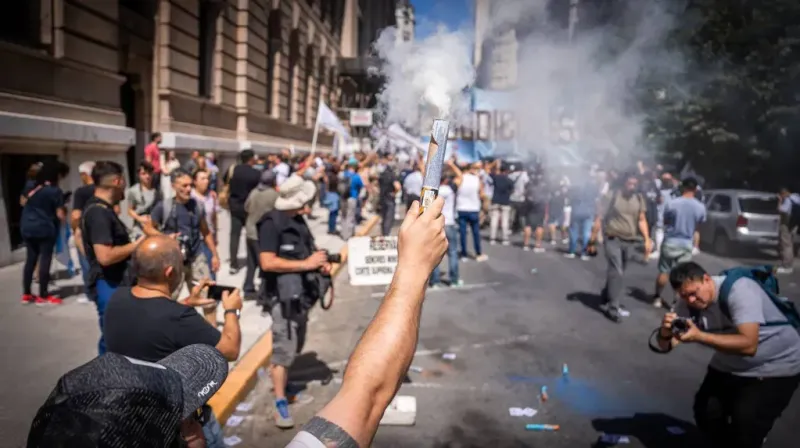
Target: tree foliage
(734, 111)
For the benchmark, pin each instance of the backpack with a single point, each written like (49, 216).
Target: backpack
(765, 277)
(224, 195)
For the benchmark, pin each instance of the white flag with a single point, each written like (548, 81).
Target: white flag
(328, 120)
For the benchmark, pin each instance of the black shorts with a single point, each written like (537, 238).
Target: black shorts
(534, 218)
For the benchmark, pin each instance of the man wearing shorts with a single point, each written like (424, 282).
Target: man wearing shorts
(681, 216)
(536, 200)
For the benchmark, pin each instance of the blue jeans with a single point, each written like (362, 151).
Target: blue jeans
(103, 292)
(452, 257)
(473, 219)
(580, 227)
(205, 249)
(212, 431)
(333, 215)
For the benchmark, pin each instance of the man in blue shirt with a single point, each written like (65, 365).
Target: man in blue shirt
(356, 184)
(583, 200)
(681, 216)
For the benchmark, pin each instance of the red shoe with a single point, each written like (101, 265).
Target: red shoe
(40, 301)
(52, 300)
(27, 299)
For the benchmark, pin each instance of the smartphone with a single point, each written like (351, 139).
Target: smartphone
(215, 291)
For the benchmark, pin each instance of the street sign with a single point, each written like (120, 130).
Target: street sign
(371, 260)
(361, 117)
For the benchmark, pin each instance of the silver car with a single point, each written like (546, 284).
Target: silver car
(738, 219)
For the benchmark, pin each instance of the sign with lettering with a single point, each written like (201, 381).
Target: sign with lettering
(371, 260)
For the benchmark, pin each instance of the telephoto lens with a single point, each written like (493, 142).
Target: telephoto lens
(334, 258)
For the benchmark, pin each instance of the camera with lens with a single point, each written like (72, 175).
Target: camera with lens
(334, 258)
(680, 325)
(183, 243)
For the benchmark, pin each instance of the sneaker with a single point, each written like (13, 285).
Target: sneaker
(492, 242)
(83, 299)
(585, 257)
(233, 270)
(695, 251)
(570, 256)
(28, 299)
(611, 313)
(538, 250)
(565, 241)
(40, 301)
(783, 270)
(435, 286)
(658, 302)
(506, 243)
(526, 248)
(299, 399)
(655, 255)
(52, 300)
(457, 284)
(464, 259)
(481, 257)
(623, 312)
(283, 419)
(553, 242)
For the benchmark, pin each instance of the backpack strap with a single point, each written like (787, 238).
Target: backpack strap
(733, 275)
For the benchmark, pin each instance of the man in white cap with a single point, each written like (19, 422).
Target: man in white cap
(290, 263)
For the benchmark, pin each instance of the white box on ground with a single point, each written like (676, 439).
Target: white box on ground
(371, 260)
(402, 411)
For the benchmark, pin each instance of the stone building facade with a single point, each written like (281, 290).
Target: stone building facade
(92, 79)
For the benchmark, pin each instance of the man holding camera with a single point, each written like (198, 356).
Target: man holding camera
(294, 273)
(184, 218)
(756, 367)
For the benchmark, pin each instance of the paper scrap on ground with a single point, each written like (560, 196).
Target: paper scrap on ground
(520, 412)
(614, 439)
(232, 440)
(676, 430)
(244, 407)
(262, 373)
(234, 420)
(449, 356)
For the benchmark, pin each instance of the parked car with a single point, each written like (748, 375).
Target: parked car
(738, 219)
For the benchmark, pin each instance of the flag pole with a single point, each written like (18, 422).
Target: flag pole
(316, 129)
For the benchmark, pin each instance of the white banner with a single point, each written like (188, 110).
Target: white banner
(327, 119)
(361, 117)
(371, 260)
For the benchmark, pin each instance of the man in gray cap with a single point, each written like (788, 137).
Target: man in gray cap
(290, 264)
(259, 202)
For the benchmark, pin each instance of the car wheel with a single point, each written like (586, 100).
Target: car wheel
(722, 244)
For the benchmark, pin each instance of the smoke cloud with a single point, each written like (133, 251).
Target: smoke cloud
(581, 94)
(427, 77)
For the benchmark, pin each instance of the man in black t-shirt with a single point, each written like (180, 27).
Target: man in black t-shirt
(145, 323)
(286, 253)
(79, 198)
(183, 216)
(244, 179)
(389, 185)
(105, 238)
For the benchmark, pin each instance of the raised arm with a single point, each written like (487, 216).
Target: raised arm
(384, 353)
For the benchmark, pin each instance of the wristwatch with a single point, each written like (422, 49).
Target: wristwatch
(236, 312)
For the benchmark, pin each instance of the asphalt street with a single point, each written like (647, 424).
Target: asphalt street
(512, 329)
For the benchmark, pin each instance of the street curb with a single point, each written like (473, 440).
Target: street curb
(242, 378)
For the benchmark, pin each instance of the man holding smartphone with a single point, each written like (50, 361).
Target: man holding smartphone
(756, 367)
(144, 322)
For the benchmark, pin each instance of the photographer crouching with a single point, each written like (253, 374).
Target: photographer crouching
(756, 367)
(294, 276)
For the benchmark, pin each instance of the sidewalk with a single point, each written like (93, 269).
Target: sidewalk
(43, 343)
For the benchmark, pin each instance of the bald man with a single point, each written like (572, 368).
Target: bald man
(143, 322)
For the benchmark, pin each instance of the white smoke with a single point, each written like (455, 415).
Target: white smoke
(590, 84)
(427, 77)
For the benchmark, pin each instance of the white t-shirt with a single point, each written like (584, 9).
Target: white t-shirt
(468, 197)
(449, 210)
(412, 184)
(520, 179)
(281, 173)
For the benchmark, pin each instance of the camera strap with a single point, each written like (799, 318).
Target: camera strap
(654, 345)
